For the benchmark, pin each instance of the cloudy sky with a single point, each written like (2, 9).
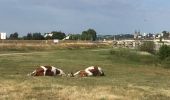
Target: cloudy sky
(75, 16)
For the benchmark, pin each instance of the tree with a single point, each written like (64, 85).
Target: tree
(84, 36)
(90, 34)
(29, 36)
(37, 36)
(58, 35)
(165, 34)
(13, 36)
(75, 37)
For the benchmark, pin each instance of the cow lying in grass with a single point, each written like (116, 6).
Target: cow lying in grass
(47, 71)
(90, 71)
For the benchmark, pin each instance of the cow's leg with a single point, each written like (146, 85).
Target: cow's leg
(77, 73)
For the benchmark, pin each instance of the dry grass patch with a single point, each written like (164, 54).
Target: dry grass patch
(20, 91)
(39, 89)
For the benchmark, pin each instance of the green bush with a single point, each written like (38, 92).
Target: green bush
(164, 52)
(166, 62)
(130, 56)
(148, 46)
(124, 55)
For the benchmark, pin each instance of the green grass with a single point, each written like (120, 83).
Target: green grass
(131, 77)
(133, 57)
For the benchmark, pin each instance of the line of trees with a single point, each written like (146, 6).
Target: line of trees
(166, 34)
(37, 36)
(89, 34)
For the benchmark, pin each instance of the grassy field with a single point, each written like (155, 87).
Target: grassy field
(127, 77)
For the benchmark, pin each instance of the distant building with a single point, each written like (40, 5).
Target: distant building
(137, 35)
(3, 36)
(144, 34)
(48, 35)
(67, 37)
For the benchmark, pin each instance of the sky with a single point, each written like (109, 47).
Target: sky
(106, 17)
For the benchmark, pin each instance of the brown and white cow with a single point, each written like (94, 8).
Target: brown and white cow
(47, 71)
(89, 71)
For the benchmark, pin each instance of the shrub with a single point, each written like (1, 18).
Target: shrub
(148, 46)
(130, 56)
(164, 52)
(166, 62)
(124, 55)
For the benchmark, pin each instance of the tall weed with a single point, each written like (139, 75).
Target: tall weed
(131, 56)
(148, 46)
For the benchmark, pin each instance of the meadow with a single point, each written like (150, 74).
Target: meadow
(129, 75)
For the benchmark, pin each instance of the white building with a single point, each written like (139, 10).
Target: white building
(3, 36)
(67, 37)
(144, 34)
(48, 34)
